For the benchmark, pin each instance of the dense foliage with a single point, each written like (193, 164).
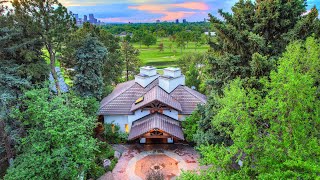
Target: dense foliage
(243, 48)
(250, 39)
(262, 116)
(59, 143)
(149, 39)
(113, 63)
(51, 21)
(159, 29)
(90, 60)
(275, 131)
(21, 66)
(41, 136)
(194, 67)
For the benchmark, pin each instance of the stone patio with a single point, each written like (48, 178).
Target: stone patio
(137, 160)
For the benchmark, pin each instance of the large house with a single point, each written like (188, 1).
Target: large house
(151, 107)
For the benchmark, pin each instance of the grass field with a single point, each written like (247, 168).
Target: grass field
(153, 57)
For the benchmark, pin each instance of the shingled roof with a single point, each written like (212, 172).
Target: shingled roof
(122, 100)
(159, 121)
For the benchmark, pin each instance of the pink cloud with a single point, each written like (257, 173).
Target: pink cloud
(193, 5)
(169, 16)
(150, 8)
(167, 9)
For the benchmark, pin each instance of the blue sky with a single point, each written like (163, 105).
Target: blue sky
(152, 10)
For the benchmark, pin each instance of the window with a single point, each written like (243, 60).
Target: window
(126, 128)
(139, 100)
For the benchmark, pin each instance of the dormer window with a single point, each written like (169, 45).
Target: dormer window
(139, 100)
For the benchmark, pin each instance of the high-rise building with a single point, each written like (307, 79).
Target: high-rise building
(91, 18)
(76, 16)
(85, 18)
(177, 21)
(184, 21)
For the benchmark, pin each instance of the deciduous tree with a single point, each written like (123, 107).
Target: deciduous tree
(275, 131)
(149, 40)
(59, 144)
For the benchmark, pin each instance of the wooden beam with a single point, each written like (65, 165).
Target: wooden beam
(156, 137)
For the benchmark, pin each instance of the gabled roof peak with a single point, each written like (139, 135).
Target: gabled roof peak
(157, 94)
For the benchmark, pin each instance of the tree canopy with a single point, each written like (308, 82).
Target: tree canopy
(254, 35)
(51, 21)
(274, 131)
(59, 144)
(90, 60)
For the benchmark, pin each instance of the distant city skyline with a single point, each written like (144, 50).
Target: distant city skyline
(149, 11)
(141, 11)
(91, 19)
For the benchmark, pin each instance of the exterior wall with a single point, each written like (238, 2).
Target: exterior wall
(137, 115)
(170, 84)
(145, 81)
(149, 71)
(173, 72)
(173, 114)
(120, 120)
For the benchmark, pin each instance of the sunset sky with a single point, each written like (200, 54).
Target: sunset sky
(151, 10)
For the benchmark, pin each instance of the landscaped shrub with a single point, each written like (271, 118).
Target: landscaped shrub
(105, 152)
(114, 162)
(96, 171)
(113, 134)
(153, 175)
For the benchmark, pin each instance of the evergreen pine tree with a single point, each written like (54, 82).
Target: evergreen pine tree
(21, 67)
(49, 19)
(90, 60)
(263, 27)
(130, 57)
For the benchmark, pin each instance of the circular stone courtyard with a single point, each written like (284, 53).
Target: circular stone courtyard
(157, 163)
(165, 162)
(137, 160)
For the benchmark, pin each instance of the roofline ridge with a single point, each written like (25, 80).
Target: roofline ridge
(125, 89)
(149, 83)
(131, 110)
(199, 97)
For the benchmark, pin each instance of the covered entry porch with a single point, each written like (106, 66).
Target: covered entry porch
(156, 128)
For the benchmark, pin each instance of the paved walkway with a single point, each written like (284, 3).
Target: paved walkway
(135, 158)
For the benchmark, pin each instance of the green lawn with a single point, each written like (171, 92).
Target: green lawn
(153, 57)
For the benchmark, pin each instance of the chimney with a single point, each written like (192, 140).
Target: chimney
(146, 76)
(171, 79)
